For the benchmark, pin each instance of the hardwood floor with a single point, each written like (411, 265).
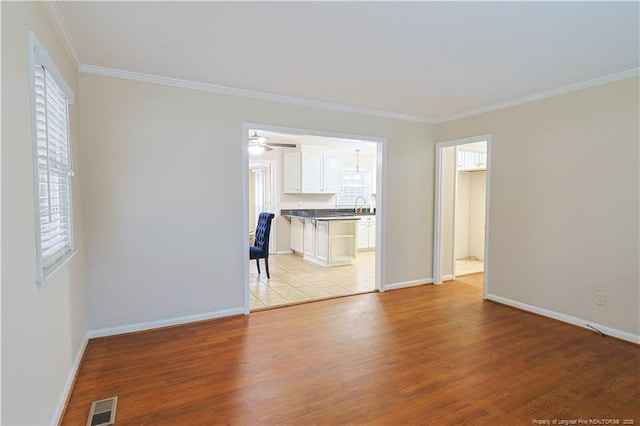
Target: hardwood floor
(421, 355)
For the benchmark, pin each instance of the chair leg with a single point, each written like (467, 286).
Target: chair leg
(258, 265)
(266, 266)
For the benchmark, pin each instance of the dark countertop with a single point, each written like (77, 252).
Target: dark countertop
(327, 214)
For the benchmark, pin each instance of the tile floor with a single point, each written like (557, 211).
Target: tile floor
(294, 281)
(469, 266)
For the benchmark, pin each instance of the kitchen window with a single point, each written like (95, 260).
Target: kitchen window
(355, 185)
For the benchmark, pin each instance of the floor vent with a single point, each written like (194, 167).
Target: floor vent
(103, 412)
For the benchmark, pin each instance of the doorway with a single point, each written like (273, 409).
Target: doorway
(461, 216)
(367, 164)
(262, 178)
(469, 208)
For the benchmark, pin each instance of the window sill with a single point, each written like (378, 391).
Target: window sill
(42, 281)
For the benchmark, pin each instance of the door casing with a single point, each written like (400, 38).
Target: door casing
(381, 188)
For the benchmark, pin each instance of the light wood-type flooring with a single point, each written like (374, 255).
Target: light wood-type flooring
(468, 266)
(422, 355)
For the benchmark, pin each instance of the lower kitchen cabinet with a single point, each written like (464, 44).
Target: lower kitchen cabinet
(367, 233)
(328, 242)
(310, 239)
(322, 242)
(343, 237)
(296, 237)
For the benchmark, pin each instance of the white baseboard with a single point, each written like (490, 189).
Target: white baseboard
(111, 331)
(447, 277)
(55, 420)
(404, 284)
(623, 335)
(284, 252)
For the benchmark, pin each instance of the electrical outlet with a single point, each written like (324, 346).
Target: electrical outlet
(601, 298)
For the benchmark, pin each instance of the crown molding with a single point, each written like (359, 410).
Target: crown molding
(206, 87)
(55, 13)
(53, 8)
(635, 72)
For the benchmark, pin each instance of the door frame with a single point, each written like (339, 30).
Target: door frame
(437, 216)
(272, 201)
(381, 189)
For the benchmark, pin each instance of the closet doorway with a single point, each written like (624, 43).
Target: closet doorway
(469, 208)
(461, 208)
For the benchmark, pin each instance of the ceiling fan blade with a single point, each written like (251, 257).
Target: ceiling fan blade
(266, 148)
(281, 145)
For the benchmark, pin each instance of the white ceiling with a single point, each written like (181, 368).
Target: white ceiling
(424, 59)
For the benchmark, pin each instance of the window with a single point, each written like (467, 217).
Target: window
(356, 186)
(52, 168)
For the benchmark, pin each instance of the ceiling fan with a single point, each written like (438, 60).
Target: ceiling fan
(259, 144)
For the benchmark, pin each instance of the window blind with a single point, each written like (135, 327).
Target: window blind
(53, 172)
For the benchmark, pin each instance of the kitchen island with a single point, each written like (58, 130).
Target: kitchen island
(326, 237)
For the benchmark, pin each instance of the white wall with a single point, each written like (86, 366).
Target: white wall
(564, 202)
(40, 335)
(470, 214)
(477, 204)
(448, 199)
(164, 195)
(462, 216)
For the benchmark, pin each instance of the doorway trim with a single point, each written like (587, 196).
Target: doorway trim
(437, 214)
(381, 189)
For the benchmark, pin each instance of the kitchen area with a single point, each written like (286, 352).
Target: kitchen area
(323, 194)
(329, 237)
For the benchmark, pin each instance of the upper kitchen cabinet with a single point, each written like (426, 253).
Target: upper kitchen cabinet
(332, 173)
(292, 175)
(312, 173)
(472, 158)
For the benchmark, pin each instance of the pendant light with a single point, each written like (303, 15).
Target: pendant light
(357, 176)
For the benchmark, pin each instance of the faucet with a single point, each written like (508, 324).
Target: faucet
(359, 210)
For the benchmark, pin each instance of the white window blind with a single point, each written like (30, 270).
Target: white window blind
(53, 171)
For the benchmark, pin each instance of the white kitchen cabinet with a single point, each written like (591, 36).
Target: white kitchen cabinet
(332, 173)
(296, 237)
(310, 239)
(321, 173)
(330, 242)
(367, 233)
(471, 159)
(312, 172)
(322, 242)
(292, 173)
(343, 235)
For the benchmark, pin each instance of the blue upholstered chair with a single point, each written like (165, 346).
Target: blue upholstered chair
(260, 249)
